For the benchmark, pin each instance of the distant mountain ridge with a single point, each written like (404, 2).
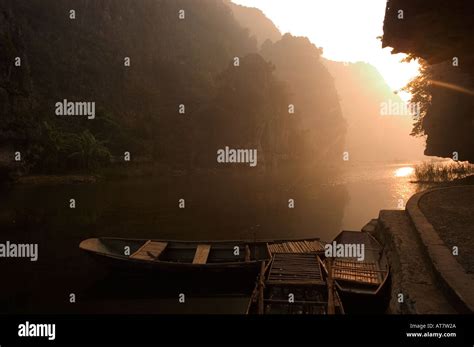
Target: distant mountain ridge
(361, 90)
(255, 20)
(372, 135)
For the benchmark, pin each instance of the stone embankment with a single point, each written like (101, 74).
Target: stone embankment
(428, 246)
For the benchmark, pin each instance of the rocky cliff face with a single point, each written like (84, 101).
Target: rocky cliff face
(173, 61)
(354, 93)
(321, 128)
(317, 111)
(440, 33)
(180, 52)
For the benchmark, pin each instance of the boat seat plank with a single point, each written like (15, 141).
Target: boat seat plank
(296, 247)
(202, 253)
(151, 250)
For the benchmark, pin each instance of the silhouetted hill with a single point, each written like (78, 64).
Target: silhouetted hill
(299, 64)
(312, 91)
(194, 84)
(255, 20)
(361, 91)
(173, 61)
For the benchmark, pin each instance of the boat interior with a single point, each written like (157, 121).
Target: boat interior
(188, 252)
(360, 276)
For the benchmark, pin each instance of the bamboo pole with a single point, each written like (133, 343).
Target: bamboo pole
(331, 307)
(261, 285)
(247, 253)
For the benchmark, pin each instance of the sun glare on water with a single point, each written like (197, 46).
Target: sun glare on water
(404, 171)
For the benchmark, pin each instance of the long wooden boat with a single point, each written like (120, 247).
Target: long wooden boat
(195, 254)
(361, 283)
(178, 255)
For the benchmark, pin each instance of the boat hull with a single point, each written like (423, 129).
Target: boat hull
(364, 286)
(177, 258)
(357, 302)
(127, 265)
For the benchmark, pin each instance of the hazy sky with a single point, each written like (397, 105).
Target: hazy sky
(347, 30)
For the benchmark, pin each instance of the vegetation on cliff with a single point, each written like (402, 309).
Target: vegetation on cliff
(181, 97)
(439, 33)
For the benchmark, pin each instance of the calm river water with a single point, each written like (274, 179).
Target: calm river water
(219, 206)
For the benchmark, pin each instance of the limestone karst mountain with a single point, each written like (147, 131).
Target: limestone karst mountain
(156, 71)
(361, 92)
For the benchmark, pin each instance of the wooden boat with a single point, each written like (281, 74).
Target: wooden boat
(363, 283)
(195, 254)
(178, 255)
(293, 283)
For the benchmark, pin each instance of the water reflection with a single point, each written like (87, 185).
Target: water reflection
(404, 171)
(375, 186)
(223, 206)
(217, 206)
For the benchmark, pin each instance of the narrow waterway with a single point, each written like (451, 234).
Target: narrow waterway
(219, 206)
